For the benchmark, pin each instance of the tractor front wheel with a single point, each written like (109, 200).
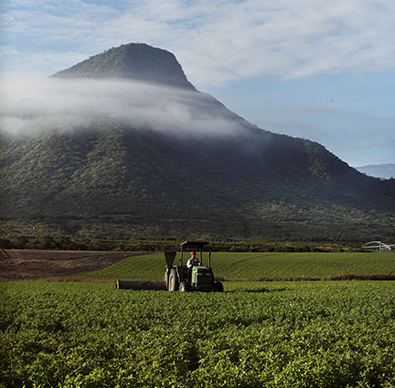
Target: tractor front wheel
(173, 280)
(218, 287)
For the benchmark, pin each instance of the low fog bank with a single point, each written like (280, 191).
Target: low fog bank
(33, 106)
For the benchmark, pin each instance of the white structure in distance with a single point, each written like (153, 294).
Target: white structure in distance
(378, 246)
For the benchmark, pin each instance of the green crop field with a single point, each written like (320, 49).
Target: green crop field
(256, 334)
(266, 266)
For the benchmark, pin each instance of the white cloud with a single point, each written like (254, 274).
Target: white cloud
(216, 41)
(33, 106)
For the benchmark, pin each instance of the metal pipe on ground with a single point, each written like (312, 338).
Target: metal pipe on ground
(130, 284)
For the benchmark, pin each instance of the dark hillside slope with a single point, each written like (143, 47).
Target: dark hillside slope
(150, 180)
(132, 61)
(230, 180)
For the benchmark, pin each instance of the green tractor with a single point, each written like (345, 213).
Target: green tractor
(200, 278)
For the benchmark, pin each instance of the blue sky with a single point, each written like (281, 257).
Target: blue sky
(314, 69)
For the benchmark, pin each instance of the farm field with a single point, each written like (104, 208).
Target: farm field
(107, 266)
(256, 334)
(255, 266)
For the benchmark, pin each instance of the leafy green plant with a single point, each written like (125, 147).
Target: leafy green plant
(273, 334)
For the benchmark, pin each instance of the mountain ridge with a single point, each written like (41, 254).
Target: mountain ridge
(201, 171)
(383, 171)
(137, 61)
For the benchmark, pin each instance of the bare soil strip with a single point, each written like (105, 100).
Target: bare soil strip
(28, 264)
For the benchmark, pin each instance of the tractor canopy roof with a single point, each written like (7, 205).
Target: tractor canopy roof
(193, 244)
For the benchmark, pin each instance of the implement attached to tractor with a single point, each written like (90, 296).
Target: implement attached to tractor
(200, 278)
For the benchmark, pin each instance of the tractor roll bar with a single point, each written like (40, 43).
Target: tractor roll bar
(193, 245)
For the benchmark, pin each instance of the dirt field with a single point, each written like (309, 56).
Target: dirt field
(39, 264)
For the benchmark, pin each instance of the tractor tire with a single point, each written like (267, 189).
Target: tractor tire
(173, 280)
(183, 287)
(218, 287)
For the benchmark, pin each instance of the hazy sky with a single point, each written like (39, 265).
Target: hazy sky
(317, 69)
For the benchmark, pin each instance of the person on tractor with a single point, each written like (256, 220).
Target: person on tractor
(192, 262)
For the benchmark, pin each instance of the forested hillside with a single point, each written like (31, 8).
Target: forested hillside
(150, 183)
(132, 61)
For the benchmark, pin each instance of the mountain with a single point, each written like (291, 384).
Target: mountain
(144, 160)
(132, 61)
(383, 171)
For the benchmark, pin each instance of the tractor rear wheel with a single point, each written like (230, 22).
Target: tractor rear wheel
(173, 280)
(183, 287)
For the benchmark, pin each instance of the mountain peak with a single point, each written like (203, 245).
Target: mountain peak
(134, 61)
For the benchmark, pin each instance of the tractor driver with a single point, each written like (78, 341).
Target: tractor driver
(192, 262)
